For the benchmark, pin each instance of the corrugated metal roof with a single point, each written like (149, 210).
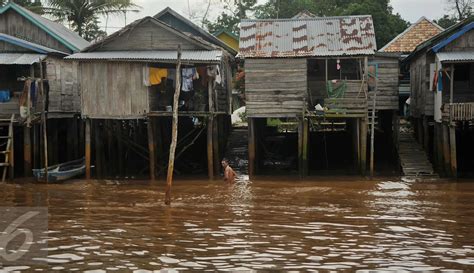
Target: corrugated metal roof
(212, 56)
(28, 45)
(69, 38)
(20, 58)
(323, 36)
(459, 57)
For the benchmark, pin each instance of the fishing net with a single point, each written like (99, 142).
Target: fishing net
(336, 92)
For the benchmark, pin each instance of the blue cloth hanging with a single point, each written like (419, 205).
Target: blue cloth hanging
(440, 81)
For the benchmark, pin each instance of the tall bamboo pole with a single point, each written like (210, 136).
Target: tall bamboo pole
(174, 132)
(44, 120)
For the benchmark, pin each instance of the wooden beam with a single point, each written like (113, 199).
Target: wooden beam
(210, 147)
(451, 85)
(363, 145)
(356, 142)
(27, 166)
(452, 144)
(252, 148)
(426, 134)
(446, 151)
(151, 149)
(215, 142)
(87, 151)
(304, 152)
(44, 119)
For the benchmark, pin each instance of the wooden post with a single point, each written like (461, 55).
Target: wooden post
(305, 147)
(363, 146)
(96, 132)
(215, 143)
(36, 147)
(396, 130)
(446, 152)
(11, 155)
(426, 134)
(44, 121)
(452, 142)
(87, 151)
(356, 142)
(300, 146)
(151, 148)
(451, 85)
(210, 147)
(252, 148)
(372, 131)
(174, 133)
(27, 150)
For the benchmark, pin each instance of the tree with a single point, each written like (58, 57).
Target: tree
(234, 12)
(82, 14)
(33, 5)
(462, 8)
(446, 21)
(92, 31)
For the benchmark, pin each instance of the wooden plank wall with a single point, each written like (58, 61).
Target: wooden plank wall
(422, 99)
(275, 87)
(113, 90)
(14, 24)
(148, 36)
(64, 95)
(387, 83)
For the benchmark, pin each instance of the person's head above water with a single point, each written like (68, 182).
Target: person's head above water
(225, 162)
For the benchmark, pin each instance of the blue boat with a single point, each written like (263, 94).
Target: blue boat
(61, 172)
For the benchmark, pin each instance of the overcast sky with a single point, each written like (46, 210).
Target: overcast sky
(410, 10)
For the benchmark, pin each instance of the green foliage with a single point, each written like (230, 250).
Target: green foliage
(33, 5)
(234, 11)
(446, 21)
(83, 14)
(92, 31)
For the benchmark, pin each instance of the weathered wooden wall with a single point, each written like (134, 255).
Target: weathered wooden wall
(64, 92)
(463, 43)
(387, 83)
(14, 24)
(147, 36)
(113, 90)
(275, 87)
(7, 47)
(421, 99)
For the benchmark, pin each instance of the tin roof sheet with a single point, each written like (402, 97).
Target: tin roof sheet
(212, 56)
(321, 36)
(459, 57)
(28, 45)
(20, 58)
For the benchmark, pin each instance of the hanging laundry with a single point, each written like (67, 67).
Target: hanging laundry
(215, 73)
(435, 81)
(146, 76)
(156, 74)
(202, 72)
(188, 75)
(440, 81)
(218, 75)
(338, 65)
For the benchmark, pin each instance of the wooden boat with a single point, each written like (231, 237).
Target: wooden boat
(61, 171)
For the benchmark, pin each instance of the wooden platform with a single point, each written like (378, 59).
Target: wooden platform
(413, 158)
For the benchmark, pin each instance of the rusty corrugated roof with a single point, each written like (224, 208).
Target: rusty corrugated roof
(321, 36)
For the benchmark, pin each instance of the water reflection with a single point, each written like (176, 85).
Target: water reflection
(325, 225)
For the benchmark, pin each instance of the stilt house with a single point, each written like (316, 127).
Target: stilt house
(404, 44)
(127, 85)
(442, 97)
(315, 72)
(32, 46)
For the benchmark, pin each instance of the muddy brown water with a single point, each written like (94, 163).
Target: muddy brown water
(327, 223)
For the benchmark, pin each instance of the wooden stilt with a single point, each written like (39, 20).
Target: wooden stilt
(27, 151)
(396, 130)
(305, 147)
(210, 147)
(252, 149)
(53, 142)
(446, 152)
(11, 155)
(356, 142)
(452, 144)
(121, 154)
(426, 134)
(300, 146)
(216, 145)
(97, 147)
(419, 129)
(87, 151)
(174, 130)
(439, 148)
(363, 146)
(151, 148)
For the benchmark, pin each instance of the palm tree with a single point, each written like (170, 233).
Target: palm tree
(81, 13)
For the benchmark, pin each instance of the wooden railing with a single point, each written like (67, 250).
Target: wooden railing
(352, 104)
(460, 111)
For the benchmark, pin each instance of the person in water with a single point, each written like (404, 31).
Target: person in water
(229, 174)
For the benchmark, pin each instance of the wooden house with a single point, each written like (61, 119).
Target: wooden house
(314, 73)
(442, 96)
(127, 84)
(404, 44)
(229, 38)
(32, 46)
